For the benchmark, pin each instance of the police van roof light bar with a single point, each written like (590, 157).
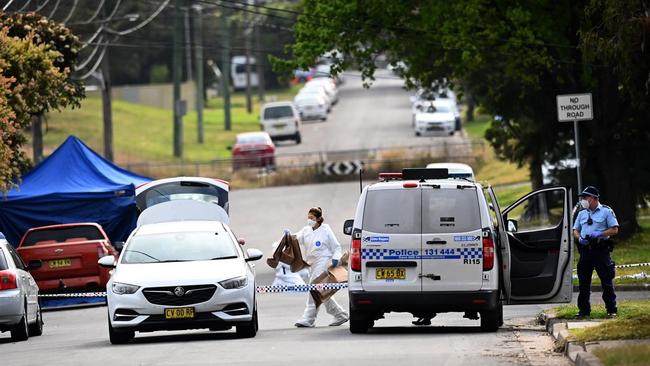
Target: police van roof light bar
(424, 173)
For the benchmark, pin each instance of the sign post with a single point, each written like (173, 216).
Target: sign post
(575, 107)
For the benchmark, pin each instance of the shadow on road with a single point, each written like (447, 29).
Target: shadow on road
(149, 338)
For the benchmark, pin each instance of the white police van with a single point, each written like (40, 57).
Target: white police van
(424, 243)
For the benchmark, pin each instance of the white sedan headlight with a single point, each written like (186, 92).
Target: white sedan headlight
(124, 288)
(234, 283)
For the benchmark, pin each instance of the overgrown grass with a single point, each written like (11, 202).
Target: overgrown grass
(510, 193)
(143, 133)
(633, 355)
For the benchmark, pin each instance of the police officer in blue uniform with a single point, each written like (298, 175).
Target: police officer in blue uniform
(593, 228)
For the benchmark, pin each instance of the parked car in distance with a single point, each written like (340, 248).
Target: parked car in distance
(435, 118)
(281, 121)
(328, 84)
(311, 106)
(455, 170)
(253, 149)
(20, 312)
(318, 90)
(182, 275)
(69, 254)
(183, 188)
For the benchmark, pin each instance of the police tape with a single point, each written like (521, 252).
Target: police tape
(259, 289)
(632, 265)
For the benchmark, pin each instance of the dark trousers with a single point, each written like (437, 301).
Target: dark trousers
(599, 260)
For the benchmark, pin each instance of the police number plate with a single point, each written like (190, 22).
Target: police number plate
(179, 313)
(390, 273)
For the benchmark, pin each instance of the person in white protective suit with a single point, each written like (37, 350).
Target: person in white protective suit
(321, 250)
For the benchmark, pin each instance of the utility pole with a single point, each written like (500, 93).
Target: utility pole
(225, 62)
(106, 96)
(198, 55)
(37, 121)
(260, 61)
(247, 34)
(177, 65)
(188, 43)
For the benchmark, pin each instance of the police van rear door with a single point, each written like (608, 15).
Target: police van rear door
(540, 246)
(451, 238)
(391, 238)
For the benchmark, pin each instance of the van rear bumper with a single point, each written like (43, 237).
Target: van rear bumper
(423, 301)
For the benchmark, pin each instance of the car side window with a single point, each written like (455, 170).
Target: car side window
(542, 210)
(16, 258)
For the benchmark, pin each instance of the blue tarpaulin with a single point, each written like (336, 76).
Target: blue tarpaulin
(74, 184)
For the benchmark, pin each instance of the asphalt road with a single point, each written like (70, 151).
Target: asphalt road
(80, 337)
(376, 117)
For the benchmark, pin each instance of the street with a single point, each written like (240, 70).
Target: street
(80, 337)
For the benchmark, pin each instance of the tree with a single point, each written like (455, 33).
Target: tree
(514, 58)
(36, 60)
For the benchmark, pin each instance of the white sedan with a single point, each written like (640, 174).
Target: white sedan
(181, 275)
(435, 118)
(311, 106)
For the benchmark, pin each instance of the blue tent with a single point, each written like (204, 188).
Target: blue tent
(74, 184)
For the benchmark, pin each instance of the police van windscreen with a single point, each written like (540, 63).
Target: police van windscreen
(450, 210)
(278, 112)
(393, 211)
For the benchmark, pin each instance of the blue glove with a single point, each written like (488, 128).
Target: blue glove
(597, 234)
(286, 231)
(583, 241)
(335, 262)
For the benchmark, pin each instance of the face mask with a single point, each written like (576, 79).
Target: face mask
(584, 204)
(311, 223)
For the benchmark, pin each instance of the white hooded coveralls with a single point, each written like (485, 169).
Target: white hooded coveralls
(319, 246)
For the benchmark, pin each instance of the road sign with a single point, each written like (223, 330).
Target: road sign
(574, 107)
(342, 167)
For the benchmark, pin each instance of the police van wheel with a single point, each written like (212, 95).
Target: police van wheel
(359, 322)
(491, 320)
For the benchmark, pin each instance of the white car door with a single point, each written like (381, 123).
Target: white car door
(538, 246)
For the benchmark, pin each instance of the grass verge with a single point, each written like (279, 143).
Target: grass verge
(144, 133)
(633, 322)
(634, 355)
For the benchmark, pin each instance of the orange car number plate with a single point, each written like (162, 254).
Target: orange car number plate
(58, 263)
(179, 313)
(390, 273)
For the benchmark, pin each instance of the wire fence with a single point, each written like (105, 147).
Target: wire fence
(311, 163)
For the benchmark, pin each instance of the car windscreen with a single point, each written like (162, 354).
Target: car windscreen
(3, 261)
(393, 211)
(179, 247)
(252, 139)
(182, 190)
(278, 112)
(62, 235)
(450, 210)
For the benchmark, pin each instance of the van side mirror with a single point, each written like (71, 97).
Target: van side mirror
(34, 264)
(347, 227)
(118, 245)
(512, 226)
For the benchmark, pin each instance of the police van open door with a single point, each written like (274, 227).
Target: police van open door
(535, 247)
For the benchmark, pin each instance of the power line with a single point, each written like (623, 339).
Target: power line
(74, 7)
(141, 25)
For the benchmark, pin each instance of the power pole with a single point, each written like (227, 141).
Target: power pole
(260, 63)
(177, 64)
(188, 43)
(106, 97)
(37, 121)
(198, 55)
(247, 33)
(225, 62)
